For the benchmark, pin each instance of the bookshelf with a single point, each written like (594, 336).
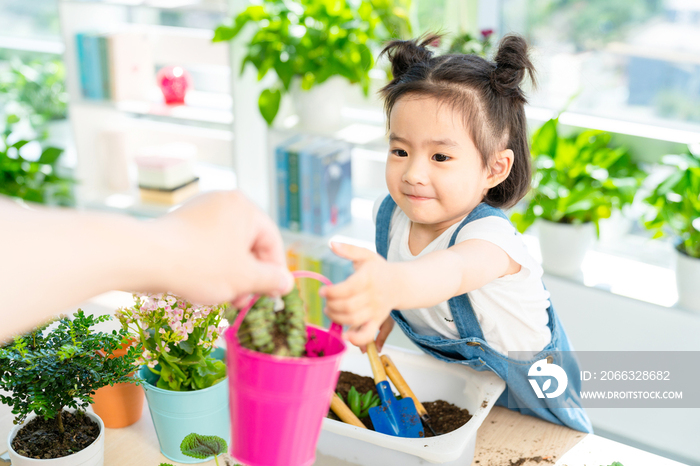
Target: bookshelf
(224, 106)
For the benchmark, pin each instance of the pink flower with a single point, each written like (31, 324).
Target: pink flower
(486, 33)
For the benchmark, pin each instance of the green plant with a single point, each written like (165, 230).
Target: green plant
(203, 447)
(577, 179)
(469, 44)
(361, 404)
(281, 332)
(46, 370)
(675, 204)
(39, 86)
(32, 180)
(179, 337)
(315, 40)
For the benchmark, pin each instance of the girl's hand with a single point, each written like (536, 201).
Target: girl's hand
(365, 299)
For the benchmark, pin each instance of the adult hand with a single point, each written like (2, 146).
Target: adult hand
(221, 248)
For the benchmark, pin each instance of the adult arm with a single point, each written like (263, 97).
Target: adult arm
(213, 249)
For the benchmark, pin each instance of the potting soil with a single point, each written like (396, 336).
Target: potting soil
(444, 417)
(40, 439)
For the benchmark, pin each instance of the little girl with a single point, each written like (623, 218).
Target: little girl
(450, 265)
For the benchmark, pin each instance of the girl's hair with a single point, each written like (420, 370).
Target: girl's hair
(487, 94)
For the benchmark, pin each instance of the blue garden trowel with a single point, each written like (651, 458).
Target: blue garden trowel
(394, 417)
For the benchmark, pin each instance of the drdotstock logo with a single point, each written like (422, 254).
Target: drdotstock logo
(543, 368)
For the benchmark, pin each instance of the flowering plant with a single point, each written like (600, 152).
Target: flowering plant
(177, 338)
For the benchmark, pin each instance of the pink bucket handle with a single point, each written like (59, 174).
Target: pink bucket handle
(336, 329)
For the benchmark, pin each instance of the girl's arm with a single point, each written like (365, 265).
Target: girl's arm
(212, 249)
(365, 299)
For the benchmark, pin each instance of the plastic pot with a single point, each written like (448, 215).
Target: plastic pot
(93, 455)
(121, 404)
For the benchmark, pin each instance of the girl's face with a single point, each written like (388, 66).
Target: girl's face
(434, 171)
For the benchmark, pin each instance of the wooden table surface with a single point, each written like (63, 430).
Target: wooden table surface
(504, 437)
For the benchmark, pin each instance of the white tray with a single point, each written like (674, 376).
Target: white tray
(430, 380)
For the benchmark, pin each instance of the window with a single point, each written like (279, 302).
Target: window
(633, 60)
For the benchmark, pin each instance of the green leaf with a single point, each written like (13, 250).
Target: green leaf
(50, 155)
(269, 104)
(203, 446)
(354, 401)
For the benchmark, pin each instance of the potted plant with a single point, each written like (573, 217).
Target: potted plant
(51, 374)
(675, 210)
(306, 43)
(184, 374)
(33, 179)
(578, 181)
(121, 404)
(469, 44)
(282, 377)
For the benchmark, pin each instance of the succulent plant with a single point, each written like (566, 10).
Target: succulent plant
(280, 332)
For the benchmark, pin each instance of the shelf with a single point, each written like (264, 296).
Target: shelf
(211, 178)
(200, 107)
(216, 6)
(54, 47)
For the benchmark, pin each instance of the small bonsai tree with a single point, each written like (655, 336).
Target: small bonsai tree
(281, 332)
(47, 370)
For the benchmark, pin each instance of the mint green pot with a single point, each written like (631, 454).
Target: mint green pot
(178, 414)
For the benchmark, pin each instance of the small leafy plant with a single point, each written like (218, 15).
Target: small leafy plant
(281, 332)
(315, 40)
(36, 89)
(179, 337)
(46, 370)
(675, 204)
(361, 404)
(203, 447)
(469, 44)
(578, 179)
(31, 180)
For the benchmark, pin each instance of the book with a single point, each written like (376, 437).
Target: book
(312, 261)
(170, 196)
(131, 65)
(105, 84)
(282, 179)
(89, 66)
(333, 182)
(307, 167)
(294, 199)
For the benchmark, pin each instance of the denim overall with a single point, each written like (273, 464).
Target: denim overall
(472, 350)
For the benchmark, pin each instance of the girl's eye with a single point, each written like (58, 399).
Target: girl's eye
(400, 152)
(441, 158)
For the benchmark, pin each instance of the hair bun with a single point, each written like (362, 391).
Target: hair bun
(511, 63)
(403, 54)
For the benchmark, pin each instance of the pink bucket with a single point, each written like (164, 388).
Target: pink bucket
(278, 403)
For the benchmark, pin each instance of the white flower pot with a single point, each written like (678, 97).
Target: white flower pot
(430, 380)
(688, 281)
(93, 455)
(320, 108)
(564, 246)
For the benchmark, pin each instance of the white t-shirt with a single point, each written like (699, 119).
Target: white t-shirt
(512, 310)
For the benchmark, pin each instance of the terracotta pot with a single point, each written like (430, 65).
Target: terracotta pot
(119, 405)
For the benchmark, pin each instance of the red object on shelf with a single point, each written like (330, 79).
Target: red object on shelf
(174, 81)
